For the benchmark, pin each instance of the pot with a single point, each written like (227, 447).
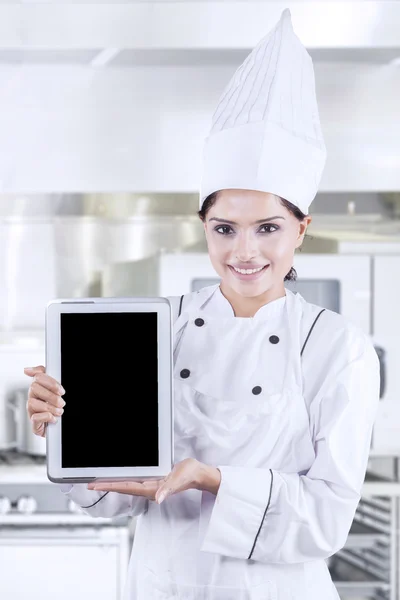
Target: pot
(26, 441)
(7, 423)
(17, 350)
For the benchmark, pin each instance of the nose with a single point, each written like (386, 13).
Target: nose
(246, 248)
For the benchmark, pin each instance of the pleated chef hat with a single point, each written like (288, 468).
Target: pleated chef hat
(265, 132)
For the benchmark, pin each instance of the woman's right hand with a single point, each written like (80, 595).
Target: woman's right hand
(44, 399)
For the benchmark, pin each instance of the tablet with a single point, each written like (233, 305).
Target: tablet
(113, 356)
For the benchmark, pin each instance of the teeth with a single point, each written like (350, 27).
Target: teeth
(248, 271)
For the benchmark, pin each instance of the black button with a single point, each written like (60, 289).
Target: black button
(256, 390)
(274, 339)
(185, 373)
(199, 322)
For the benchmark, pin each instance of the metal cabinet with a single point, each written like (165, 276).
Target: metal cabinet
(43, 563)
(386, 333)
(175, 274)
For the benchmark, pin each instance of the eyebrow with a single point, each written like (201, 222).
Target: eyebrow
(255, 222)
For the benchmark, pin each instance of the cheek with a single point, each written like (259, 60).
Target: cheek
(279, 249)
(220, 253)
(217, 249)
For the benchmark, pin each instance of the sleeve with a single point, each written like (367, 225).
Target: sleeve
(104, 504)
(276, 517)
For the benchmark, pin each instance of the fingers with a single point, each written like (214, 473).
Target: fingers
(45, 389)
(39, 376)
(44, 403)
(41, 400)
(31, 371)
(39, 422)
(41, 392)
(182, 477)
(147, 489)
(162, 493)
(166, 488)
(38, 406)
(48, 382)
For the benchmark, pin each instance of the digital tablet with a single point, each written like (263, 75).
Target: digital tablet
(113, 357)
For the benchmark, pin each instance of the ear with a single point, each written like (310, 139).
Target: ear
(303, 225)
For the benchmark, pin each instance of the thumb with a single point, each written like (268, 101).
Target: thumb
(31, 371)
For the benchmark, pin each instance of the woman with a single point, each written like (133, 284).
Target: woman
(275, 398)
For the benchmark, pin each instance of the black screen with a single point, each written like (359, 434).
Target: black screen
(109, 369)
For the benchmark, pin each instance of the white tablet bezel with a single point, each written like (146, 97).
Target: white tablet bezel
(54, 309)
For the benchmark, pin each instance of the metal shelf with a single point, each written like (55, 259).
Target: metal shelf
(365, 567)
(368, 589)
(363, 536)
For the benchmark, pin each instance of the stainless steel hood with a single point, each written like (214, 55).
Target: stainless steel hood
(53, 246)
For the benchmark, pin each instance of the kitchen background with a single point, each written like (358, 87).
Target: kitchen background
(103, 113)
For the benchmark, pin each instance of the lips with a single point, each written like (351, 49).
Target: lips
(246, 267)
(250, 276)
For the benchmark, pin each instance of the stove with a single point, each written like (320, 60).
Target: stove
(16, 458)
(28, 498)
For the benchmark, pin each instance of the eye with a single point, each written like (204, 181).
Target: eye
(268, 225)
(226, 229)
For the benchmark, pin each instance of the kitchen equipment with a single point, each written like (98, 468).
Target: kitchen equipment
(385, 325)
(16, 352)
(8, 430)
(57, 245)
(59, 254)
(367, 566)
(26, 441)
(59, 550)
(85, 245)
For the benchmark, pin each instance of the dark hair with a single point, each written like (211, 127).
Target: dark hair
(212, 198)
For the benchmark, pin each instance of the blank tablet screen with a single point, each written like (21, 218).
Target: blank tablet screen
(109, 368)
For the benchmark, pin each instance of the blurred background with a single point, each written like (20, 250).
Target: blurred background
(103, 112)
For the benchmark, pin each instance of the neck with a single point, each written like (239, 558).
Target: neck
(244, 306)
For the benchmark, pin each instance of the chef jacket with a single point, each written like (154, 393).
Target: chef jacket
(283, 403)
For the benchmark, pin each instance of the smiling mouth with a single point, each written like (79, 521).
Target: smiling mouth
(248, 274)
(248, 271)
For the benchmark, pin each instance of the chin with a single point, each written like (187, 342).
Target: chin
(251, 291)
(247, 289)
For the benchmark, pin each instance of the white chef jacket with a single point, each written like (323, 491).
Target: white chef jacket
(291, 436)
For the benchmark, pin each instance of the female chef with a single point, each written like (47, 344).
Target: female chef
(275, 398)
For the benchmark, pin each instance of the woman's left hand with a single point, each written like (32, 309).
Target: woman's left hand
(185, 475)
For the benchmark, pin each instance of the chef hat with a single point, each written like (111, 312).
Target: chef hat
(265, 132)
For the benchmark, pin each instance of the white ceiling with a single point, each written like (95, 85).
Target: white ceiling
(61, 130)
(197, 25)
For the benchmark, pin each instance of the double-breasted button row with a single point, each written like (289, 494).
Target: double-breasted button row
(199, 322)
(185, 373)
(258, 389)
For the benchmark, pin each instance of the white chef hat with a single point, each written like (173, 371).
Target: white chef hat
(266, 133)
